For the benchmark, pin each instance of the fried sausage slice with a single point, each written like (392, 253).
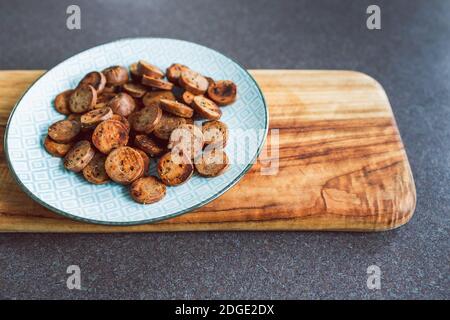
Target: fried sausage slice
(174, 169)
(95, 171)
(124, 165)
(176, 108)
(222, 92)
(146, 120)
(108, 135)
(79, 156)
(187, 139)
(148, 145)
(147, 190)
(167, 124)
(62, 102)
(215, 132)
(156, 83)
(153, 98)
(56, 149)
(122, 104)
(64, 131)
(116, 75)
(94, 117)
(187, 97)
(83, 99)
(135, 90)
(206, 108)
(212, 163)
(148, 69)
(123, 120)
(173, 72)
(96, 79)
(193, 82)
(146, 160)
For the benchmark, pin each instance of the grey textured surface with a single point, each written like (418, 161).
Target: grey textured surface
(410, 57)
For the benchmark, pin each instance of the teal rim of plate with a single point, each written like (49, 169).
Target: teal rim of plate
(146, 221)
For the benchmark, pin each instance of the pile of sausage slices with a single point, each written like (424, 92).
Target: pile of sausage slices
(119, 119)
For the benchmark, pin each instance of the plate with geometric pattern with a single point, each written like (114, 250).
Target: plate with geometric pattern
(44, 178)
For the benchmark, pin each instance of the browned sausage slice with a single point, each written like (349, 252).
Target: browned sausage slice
(135, 75)
(108, 135)
(148, 145)
(95, 171)
(122, 104)
(156, 83)
(122, 120)
(96, 79)
(56, 149)
(187, 139)
(124, 165)
(135, 89)
(146, 160)
(148, 69)
(173, 72)
(167, 124)
(62, 102)
(174, 169)
(176, 108)
(147, 190)
(212, 163)
(116, 75)
(79, 156)
(215, 132)
(222, 92)
(206, 108)
(146, 119)
(94, 117)
(64, 131)
(153, 98)
(187, 97)
(193, 82)
(83, 99)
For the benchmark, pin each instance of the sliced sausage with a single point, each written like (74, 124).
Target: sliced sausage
(108, 135)
(79, 156)
(206, 108)
(83, 99)
(149, 145)
(64, 131)
(212, 163)
(94, 117)
(176, 108)
(215, 132)
(62, 102)
(146, 160)
(167, 124)
(147, 190)
(134, 72)
(96, 79)
(148, 69)
(193, 82)
(153, 98)
(156, 83)
(135, 90)
(187, 139)
(116, 75)
(146, 120)
(187, 97)
(56, 149)
(122, 104)
(124, 165)
(174, 169)
(95, 171)
(222, 92)
(173, 72)
(123, 120)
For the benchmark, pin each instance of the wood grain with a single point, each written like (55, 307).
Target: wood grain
(342, 164)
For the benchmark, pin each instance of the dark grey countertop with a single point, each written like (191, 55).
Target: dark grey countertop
(410, 57)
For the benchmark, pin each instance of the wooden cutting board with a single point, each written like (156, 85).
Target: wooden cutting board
(342, 164)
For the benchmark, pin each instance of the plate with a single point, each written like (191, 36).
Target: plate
(44, 178)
